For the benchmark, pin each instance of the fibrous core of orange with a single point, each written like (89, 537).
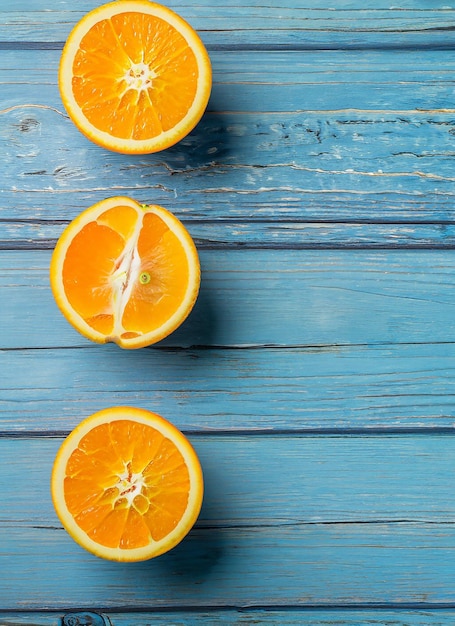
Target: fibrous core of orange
(134, 76)
(126, 484)
(126, 273)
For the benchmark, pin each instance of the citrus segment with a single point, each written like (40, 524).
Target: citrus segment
(126, 484)
(134, 76)
(125, 273)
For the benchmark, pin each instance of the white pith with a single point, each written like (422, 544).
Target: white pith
(139, 76)
(126, 276)
(129, 485)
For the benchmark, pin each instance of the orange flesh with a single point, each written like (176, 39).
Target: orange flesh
(109, 301)
(126, 485)
(134, 76)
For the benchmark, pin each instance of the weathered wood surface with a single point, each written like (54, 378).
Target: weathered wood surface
(326, 161)
(255, 24)
(315, 376)
(280, 340)
(247, 617)
(298, 527)
(271, 297)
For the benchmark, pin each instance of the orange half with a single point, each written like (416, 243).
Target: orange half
(126, 484)
(134, 76)
(125, 273)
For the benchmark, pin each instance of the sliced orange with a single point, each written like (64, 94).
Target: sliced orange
(125, 272)
(134, 76)
(126, 484)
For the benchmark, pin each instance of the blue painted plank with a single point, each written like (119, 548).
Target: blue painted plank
(323, 565)
(268, 233)
(291, 24)
(287, 81)
(253, 482)
(285, 522)
(293, 617)
(308, 165)
(256, 298)
(388, 69)
(326, 388)
(287, 12)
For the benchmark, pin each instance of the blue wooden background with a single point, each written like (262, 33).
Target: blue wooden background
(316, 374)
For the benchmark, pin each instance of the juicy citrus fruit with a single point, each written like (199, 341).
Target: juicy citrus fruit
(126, 484)
(134, 76)
(125, 272)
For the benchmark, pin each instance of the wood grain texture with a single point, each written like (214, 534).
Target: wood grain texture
(330, 537)
(234, 24)
(325, 388)
(308, 480)
(314, 167)
(241, 567)
(315, 376)
(265, 298)
(248, 617)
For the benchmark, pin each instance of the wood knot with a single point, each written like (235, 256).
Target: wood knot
(85, 618)
(28, 124)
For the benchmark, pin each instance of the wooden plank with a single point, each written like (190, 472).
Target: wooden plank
(290, 13)
(358, 520)
(259, 234)
(211, 390)
(317, 565)
(286, 81)
(256, 298)
(285, 483)
(235, 23)
(292, 617)
(312, 160)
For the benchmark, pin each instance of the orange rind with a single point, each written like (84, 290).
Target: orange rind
(126, 484)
